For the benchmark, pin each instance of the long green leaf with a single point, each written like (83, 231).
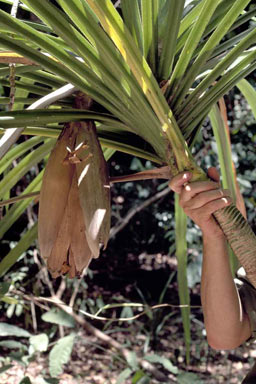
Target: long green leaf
(216, 72)
(220, 12)
(28, 87)
(219, 92)
(46, 116)
(26, 241)
(181, 254)
(124, 110)
(227, 45)
(80, 45)
(19, 69)
(18, 151)
(112, 141)
(236, 37)
(19, 207)
(191, 44)
(132, 17)
(170, 33)
(244, 18)
(44, 78)
(12, 136)
(121, 146)
(190, 18)
(249, 93)
(38, 26)
(149, 12)
(224, 150)
(225, 159)
(115, 28)
(207, 49)
(76, 72)
(28, 101)
(114, 62)
(24, 166)
(227, 82)
(188, 131)
(88, 53)
(43, 132)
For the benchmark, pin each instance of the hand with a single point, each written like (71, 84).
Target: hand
(200, 199)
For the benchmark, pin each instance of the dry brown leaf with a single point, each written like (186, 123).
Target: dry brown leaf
(94, 188)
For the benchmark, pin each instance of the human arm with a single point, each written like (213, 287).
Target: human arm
(227, 325)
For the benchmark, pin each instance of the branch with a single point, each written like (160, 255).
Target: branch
(18, 198)
(97, 333)
(12, 57)
(76, 289)
(132, 212)
(157, 173)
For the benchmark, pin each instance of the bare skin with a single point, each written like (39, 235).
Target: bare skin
(227, 325)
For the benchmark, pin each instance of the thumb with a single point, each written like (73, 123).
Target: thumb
(213, 174)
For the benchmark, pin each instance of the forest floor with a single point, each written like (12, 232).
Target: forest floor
(159, 332)
(91, 365)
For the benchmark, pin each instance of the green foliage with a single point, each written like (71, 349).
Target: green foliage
(188, 378)
(166, 363)
(140, 378)
(132, 360)
(51, 381)
(5, 368)
(38, 343)
(12, 344)
(181, 253)
(19, 250)
(25, 380)
(12, 330)
(60, 354)
(249, 93)
(4, 288)
(125, 374)
(57, 316)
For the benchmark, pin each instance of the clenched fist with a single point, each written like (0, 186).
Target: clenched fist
(200, 199)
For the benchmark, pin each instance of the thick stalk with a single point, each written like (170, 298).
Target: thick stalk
(239, 234)
(240, 237)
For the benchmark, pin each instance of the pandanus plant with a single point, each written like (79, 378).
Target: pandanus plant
(150, 68)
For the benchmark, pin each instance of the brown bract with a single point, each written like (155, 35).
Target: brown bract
(74, 209)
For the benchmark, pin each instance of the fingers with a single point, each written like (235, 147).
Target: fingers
(199, 193)
(203, 216)
(205, 211)
(200, 199)
(193, 189)
(177, 182)
(206, 197)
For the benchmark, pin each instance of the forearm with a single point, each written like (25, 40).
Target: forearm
(226, 324)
